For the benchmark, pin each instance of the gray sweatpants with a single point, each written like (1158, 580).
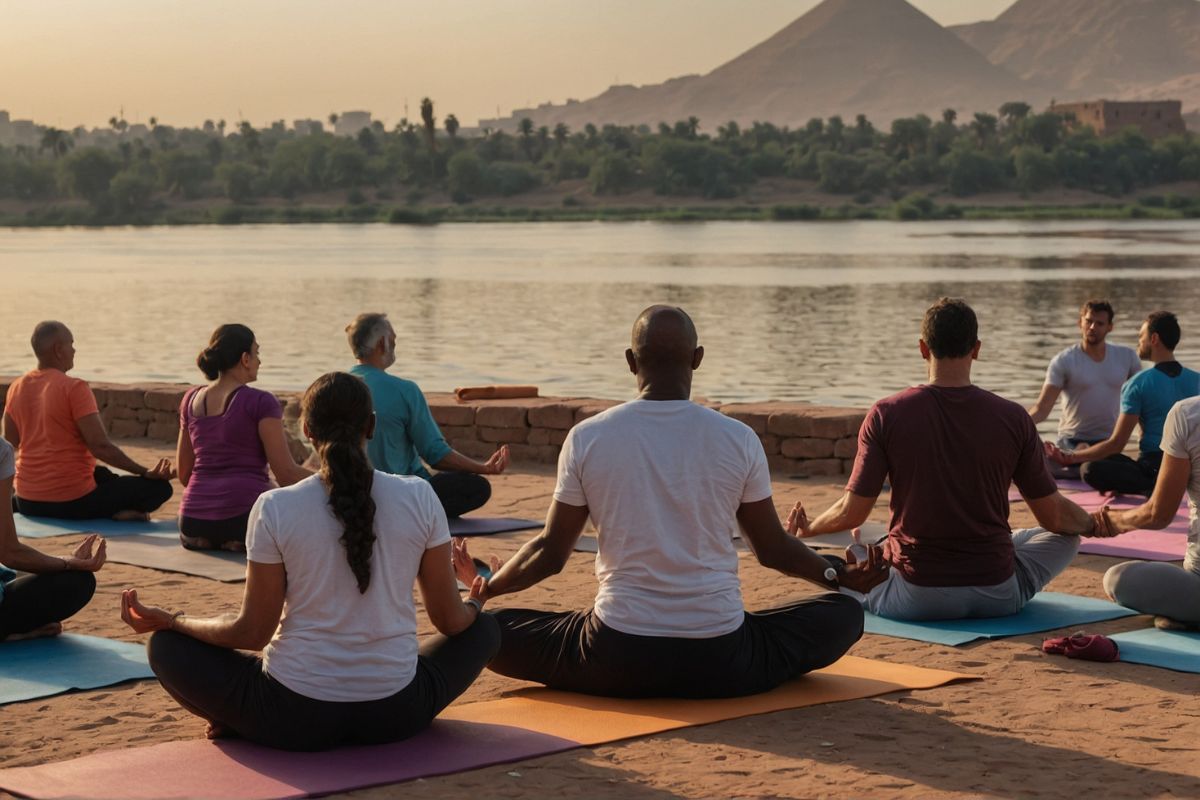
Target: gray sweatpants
(1163, 590)
(1040, 556)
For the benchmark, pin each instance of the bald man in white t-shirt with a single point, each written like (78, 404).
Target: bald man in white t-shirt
(667, 483)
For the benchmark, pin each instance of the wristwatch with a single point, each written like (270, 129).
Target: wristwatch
(831, 575)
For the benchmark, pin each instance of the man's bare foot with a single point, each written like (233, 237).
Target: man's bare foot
(44, 632)
(234, 547)
(216, 730)
(131, 516)
(1168, 624)
(195, 543)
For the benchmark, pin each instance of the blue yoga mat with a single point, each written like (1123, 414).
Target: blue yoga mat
(1045, 612)
(1175, 650)
(43, 667)
(42, 527)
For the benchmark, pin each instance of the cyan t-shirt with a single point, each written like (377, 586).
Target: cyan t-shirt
(405, 432)
(1150, 394)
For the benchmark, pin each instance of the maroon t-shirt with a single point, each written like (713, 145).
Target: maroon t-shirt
(951, 454)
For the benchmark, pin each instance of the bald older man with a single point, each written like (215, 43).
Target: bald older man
(53, 422)
(667, 483)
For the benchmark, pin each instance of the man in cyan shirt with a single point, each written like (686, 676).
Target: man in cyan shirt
(950, 450)
(1088, 376)
(1145, 400)
(53, 422)
(405, 431)
(667, 483)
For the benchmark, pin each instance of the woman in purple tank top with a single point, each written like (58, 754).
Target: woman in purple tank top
(229, 433)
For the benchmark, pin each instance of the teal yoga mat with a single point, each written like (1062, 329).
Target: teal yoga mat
(1045, 612)
(43, 527)
(1175, 650)
(43, 667)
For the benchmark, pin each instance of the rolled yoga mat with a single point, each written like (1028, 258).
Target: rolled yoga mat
(33, 668)
(43, 527)
(487, 526)
(465, 393)
(464, 737)
(162, 551)
(1177, 650)
(1047, 611)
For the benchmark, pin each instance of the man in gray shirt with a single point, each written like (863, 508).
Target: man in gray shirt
(1089, 376)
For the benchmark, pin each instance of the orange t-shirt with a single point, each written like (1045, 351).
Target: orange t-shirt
(54, 464)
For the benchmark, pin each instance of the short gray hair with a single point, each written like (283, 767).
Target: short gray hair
(365, 332)
(45, 334)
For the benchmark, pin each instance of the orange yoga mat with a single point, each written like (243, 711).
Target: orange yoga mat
(466, 393)
(593, 720)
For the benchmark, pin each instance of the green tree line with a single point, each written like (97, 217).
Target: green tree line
(1015, 149)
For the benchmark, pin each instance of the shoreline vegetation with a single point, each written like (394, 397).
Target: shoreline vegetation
(1014, 164)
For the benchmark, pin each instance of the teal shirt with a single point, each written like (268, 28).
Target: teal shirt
(1150, 394)
(405, 432)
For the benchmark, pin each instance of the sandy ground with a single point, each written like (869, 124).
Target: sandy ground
(1036, 726)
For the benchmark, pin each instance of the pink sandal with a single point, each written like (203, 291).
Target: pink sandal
(1086, 646)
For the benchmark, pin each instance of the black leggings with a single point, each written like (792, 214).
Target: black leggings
(1122, 474)
(32, 601)
(577, 652)
(216, 531)
(461, 492)
(112, 495)
(230, 688)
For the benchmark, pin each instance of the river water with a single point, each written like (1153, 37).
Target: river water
(823, 312)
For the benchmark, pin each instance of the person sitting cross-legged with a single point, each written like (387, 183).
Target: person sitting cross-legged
(667, 483)
(53, 422)
(950, 450)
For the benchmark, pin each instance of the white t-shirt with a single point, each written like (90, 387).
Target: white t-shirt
(1181, 439)
(1091, 390)
(334, 643)
(662, 481)
(8, 461)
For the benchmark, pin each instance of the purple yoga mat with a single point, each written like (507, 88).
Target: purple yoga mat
(237, 770)
(1146, 545)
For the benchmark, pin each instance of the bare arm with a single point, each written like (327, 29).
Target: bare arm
(776, 550)
(439, 591)
(1157, 512)
(848, 511)
(185, 457)
(1057, 514)
(11, 433)
(250, 629)
(100, 446)
(25, 558)
(279, 456)
(542, 556)
(1109, 447)
(457, 462)
(1040, 410)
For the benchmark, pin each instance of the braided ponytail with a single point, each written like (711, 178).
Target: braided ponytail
(337, 409)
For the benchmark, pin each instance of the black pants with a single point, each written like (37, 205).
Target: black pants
(1122, 474)
(575, 651)
(461, 492)
(112, 495)
(230, 688)
(216, 531)
(32, 601)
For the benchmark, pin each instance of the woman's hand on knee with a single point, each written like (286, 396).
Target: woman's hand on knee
(143, 618)
(84, 559)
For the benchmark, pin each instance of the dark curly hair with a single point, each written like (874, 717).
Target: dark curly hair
(226, 347)
(336, 411)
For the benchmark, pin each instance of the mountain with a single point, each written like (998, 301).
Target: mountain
(882, 58)
(1081, 49)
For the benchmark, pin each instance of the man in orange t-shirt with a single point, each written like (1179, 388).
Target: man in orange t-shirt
(53, 422)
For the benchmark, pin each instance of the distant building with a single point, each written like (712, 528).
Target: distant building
(304, 127)
(1154, 119)
(349, 123)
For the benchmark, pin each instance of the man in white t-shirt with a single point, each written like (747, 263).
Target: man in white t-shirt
(668, 483)
(1088, 376)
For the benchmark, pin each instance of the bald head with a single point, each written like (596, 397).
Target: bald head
(664, 338)
(53, 345)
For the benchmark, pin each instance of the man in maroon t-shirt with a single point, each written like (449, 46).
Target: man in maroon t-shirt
(951, 450)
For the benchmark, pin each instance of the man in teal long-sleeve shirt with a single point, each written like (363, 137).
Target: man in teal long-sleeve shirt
(405, 432)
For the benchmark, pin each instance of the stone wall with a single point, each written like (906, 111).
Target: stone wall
(799, 439)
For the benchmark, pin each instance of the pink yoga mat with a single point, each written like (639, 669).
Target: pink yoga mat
(1146, 545)
(237, 769)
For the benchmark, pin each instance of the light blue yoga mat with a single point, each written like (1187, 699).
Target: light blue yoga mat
(42, 527)
(1046, 612)
(43, 667)
(1175, 650)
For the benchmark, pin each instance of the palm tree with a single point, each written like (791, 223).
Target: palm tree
(693, 125)
(333, 118)
(451, 124)
(525, 128)
(56, 141)
(949, 116)
(221, 128)
(153, 123)
(430, 123)
(561, 134)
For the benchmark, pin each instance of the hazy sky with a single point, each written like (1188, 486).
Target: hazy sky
(68, 62)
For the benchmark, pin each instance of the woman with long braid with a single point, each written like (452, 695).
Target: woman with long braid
(336, 555)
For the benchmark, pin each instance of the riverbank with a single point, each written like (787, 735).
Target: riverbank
(779, 200)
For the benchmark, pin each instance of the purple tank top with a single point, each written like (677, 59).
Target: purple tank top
(230, 469)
